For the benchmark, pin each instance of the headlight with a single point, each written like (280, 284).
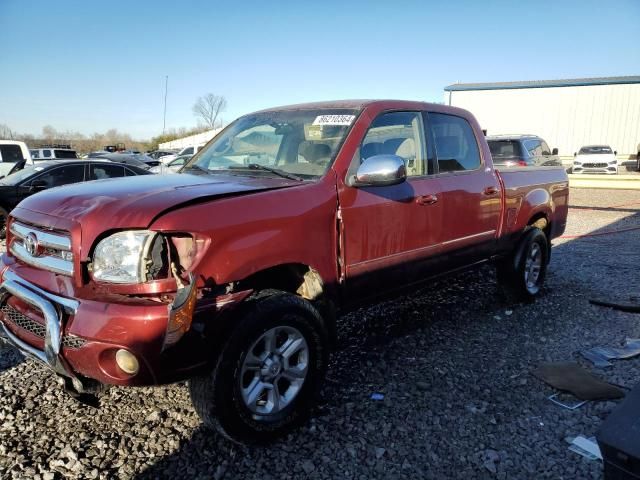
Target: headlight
(577, 163)
(119, 257)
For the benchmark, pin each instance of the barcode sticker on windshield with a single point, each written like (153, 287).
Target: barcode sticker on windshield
(334, 119)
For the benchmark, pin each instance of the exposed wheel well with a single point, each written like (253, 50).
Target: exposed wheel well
(539, 220)
(298, 279)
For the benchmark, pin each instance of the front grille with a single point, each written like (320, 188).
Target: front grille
(41, 248)
(594, 165)
(35, 328)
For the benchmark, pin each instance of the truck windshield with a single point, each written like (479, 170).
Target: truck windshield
(302, 143)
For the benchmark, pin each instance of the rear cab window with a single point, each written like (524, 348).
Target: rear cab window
(455, 143)
(11, 153)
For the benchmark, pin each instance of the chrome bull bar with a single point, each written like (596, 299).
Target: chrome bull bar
(46, 302)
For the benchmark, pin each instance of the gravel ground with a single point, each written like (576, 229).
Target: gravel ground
(453, 362)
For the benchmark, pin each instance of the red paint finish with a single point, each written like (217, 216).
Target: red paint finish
(359, 240)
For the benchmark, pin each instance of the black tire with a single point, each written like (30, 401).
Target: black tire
(514, 273)
(217, 396)
(3, 223)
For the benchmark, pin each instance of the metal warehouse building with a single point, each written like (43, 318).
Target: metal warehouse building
(566, 113)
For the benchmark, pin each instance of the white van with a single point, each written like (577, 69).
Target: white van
(12, 154)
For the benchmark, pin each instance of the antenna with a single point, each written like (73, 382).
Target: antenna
(164, 120)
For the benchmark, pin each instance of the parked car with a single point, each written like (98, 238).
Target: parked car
(230, 274)
(39, 154)
(172, 167)
(638, 159)
(156, 154)
(595, 159)
(53, 173)
(14, 155)
(521, 151)
(138, 160)
(191, 150)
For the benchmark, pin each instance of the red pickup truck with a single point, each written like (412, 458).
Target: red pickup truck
(232, 273)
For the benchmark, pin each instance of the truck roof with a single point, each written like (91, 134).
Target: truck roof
(353, 104)
(515, 136)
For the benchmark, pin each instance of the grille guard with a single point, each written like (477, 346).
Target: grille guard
(47, 303)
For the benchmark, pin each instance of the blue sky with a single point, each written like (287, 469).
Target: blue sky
(90, 66)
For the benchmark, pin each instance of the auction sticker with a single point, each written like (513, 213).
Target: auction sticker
(334, 120)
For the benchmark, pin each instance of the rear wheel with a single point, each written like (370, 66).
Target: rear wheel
(522, 274)
(267, 377)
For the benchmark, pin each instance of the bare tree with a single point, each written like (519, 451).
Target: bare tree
(5, 132)
(209, 107)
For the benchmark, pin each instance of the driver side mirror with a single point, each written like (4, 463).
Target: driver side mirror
(615, 152)
(554, 151)
(38, 185)
(380, 170)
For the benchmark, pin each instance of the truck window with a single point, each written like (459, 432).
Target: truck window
(545, 148)
(65, 154)
(46, 153)
(396, 133)
(534, 147)
(456, 145)
(11, 153)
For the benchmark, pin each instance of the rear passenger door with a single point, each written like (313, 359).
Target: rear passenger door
(470, 191)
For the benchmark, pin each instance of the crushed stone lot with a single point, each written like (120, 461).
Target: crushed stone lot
(453, 361)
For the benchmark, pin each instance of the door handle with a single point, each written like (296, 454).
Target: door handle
(426, 199)
(490, 191)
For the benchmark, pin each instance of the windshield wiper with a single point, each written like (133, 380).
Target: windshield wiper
(257, 166)
(197, 167)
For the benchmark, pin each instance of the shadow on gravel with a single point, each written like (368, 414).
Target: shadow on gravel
(456, 316)
(9, 357)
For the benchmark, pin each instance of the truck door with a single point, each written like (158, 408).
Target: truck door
(390, 233)
(471, 192)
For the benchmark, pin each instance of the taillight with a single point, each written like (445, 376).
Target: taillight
(522, 163)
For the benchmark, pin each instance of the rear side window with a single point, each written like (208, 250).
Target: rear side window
(11, 153)
(62, 176)
(98, 172)
(456, 146)
(46, 153)
(534, 147)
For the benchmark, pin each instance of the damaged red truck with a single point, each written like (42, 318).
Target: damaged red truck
(232, 273)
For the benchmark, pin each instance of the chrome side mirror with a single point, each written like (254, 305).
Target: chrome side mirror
(380, 170)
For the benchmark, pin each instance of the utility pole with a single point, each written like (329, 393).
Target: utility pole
(164, 120)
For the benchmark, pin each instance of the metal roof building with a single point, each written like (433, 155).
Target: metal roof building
(566, 113)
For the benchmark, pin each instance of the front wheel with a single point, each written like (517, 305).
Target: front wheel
(522, 274)
(268, 374)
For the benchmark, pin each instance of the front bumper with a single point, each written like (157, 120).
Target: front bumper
(609, 169)
(78, 339)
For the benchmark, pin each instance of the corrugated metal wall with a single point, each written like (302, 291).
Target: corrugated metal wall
(566, 117)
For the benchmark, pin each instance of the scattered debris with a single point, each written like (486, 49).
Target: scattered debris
(489, 460)
(587, 447)
(508, 312)
(555, 399)
(596, 358)
(377, 396)
(631, 306)
(571, 377)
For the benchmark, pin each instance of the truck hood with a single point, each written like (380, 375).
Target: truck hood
(137, 201)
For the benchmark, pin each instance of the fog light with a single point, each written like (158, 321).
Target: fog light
(127, 362)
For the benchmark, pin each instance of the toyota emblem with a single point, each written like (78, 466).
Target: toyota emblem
(31, 244)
